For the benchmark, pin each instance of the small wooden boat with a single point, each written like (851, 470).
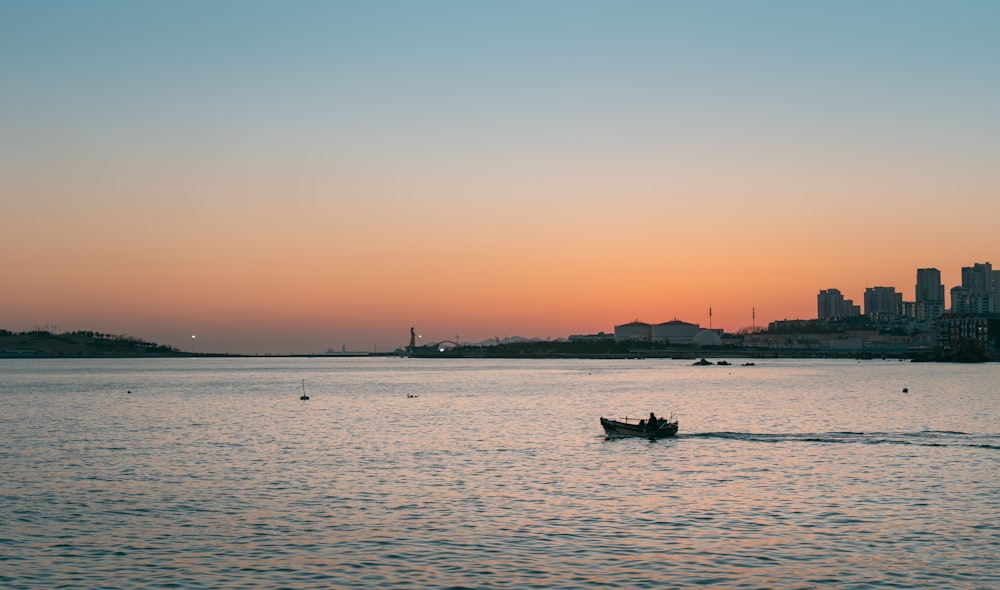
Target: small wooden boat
(664, 428)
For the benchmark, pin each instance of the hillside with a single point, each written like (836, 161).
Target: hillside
(40, 343)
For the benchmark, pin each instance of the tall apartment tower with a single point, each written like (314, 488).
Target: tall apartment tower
(930, 294)
(980, 290)
(830, 304)
(883, 303)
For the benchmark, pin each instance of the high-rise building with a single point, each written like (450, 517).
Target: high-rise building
(831, 305)
(883, 303)
(961, 302)
(930, 294)
(979, 291)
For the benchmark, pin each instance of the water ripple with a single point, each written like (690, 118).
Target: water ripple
(930, 438)
(214, 475)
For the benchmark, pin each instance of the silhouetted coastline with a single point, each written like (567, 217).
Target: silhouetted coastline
(87, 344)
(81, 344)
(629, 350)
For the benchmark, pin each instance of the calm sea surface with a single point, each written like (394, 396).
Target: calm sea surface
(198, 473)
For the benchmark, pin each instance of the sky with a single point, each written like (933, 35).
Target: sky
(291, 177)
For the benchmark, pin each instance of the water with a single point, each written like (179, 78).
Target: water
(197, 473)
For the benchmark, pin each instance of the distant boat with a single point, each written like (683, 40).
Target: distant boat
(639, 428)
(303, 397)
(702, 362)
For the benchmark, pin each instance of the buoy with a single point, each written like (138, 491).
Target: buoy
(905, 390)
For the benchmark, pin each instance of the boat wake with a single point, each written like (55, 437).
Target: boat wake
(927, 438)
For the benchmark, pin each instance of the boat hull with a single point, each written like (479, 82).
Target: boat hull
(614, 428)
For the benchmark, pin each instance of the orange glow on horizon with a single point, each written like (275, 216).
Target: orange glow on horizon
(337, 189)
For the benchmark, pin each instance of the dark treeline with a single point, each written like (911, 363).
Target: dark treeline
(81, 343)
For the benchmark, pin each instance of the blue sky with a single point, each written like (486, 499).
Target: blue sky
(229, 138)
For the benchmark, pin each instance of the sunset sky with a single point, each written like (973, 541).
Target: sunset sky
(287, 177)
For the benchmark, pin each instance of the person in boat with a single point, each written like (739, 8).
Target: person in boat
(652, 424)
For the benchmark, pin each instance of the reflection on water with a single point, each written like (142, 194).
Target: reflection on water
(212, 473)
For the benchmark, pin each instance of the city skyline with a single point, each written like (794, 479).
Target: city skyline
(979, 278)
(291, 178)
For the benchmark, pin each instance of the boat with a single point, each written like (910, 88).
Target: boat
(665, 428)
(304, 397)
